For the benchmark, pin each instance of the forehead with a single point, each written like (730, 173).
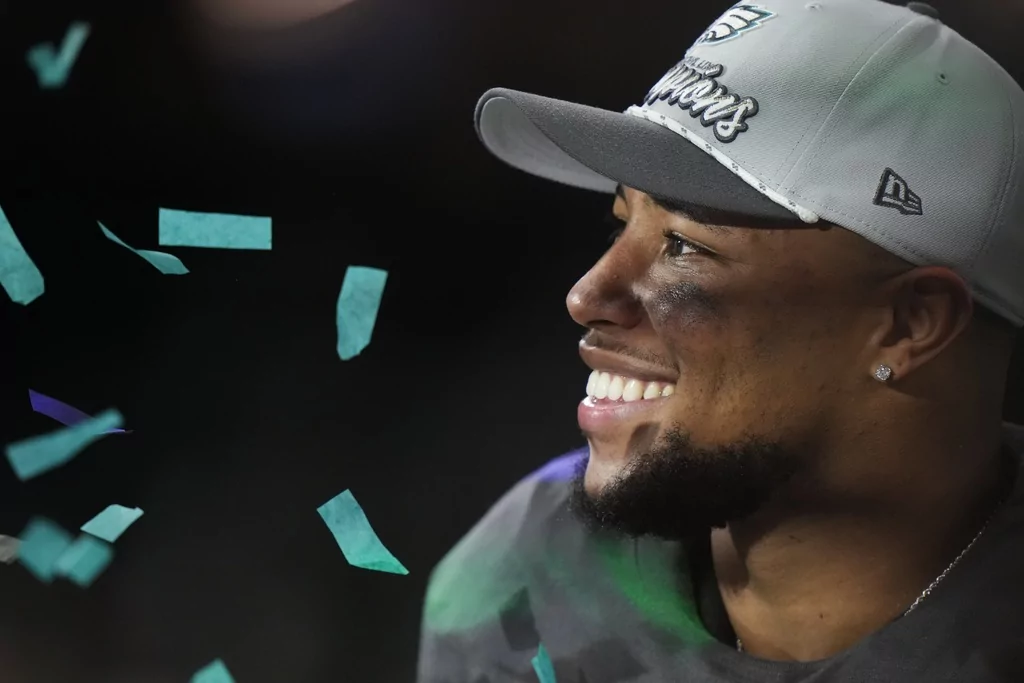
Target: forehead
(716, 220)
(820, 246)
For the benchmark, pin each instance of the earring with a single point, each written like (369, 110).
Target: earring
(883, 372)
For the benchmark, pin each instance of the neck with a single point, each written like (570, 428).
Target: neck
(823, 566)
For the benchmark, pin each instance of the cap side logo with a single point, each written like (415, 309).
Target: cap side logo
(693, 85)
(894, 193)
(735, 22)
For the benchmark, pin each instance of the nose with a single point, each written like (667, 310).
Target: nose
(605, 297)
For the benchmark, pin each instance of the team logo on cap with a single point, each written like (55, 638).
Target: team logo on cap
(734, 23)
(693, 86)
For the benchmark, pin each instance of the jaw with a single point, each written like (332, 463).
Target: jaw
(612, 450)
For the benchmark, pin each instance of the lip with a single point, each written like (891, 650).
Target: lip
(606, 361)
(599, 417)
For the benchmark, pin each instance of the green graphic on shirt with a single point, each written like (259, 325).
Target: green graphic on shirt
(655, 588)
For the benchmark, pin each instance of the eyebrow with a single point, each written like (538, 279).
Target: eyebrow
(715, 220)
(701, 215)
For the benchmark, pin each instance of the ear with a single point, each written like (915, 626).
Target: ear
(928, 309)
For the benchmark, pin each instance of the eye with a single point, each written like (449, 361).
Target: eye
(676, 245)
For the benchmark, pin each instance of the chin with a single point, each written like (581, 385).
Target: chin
(675, 489)
(603, 468)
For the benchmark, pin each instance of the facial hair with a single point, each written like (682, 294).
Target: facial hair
(677, 490)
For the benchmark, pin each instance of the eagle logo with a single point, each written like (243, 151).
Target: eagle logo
(734, 23)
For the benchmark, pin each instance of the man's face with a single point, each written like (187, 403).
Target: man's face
(725, 358)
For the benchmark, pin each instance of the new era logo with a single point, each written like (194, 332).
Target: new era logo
(894, 193)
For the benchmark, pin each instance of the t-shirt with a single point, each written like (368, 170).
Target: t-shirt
(609, 609)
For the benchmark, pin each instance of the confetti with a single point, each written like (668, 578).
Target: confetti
(84, 560)
(543, 667)
(8, 549)
(42, 544)
(358, 303)
(52, 68)
(40, 454)
(18, 274)
(60, 411)
(214, 672)
(355, 536)
(213, 230)
(112, 522)
(165, 263)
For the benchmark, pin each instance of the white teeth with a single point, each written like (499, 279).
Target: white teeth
(604, 385)
(615, 388)
(634, 391)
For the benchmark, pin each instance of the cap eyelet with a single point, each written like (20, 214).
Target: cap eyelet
(813, 5)
(942, 78)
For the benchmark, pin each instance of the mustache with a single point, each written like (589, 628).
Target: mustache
(606, 342)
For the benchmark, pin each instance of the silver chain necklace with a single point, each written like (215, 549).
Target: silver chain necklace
(938, 579)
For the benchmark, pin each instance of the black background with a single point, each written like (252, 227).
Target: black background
(360, 146)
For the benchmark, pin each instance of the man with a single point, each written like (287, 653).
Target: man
(796, 467)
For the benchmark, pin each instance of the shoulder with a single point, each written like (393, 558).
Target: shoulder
(490, 564)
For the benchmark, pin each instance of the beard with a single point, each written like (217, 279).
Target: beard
(676, 490)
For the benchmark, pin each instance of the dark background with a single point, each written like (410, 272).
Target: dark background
(354, 132)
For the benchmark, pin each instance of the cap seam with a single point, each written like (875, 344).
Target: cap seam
(839, 99)
(836, 103)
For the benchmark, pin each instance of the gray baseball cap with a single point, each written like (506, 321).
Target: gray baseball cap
(872, 116)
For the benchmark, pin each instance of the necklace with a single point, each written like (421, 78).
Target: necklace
(938, 579)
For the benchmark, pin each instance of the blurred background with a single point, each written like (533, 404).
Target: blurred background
(350, 123)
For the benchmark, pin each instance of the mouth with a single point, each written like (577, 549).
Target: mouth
(609, 387)
(613, 401)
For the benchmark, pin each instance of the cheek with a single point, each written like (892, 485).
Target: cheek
(754, 366)
(680, 307)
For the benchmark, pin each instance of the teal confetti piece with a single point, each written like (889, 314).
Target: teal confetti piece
(84, 560)
(358, 303)
(214, 672)
(40, 454)
(356, 538)
(52, 68)
(18, 274)
(213, 230)
(112, 522)
(165, 263)
(543, 667)
(42, 544)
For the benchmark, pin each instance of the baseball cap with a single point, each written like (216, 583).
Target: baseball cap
(872, 116)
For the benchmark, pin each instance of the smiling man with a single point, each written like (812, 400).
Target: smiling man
(796, 468)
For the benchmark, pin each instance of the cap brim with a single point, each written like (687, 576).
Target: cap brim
(597, 149)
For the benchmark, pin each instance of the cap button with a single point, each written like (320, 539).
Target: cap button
(923, 8)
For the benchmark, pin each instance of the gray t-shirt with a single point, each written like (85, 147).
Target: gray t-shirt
(615, 610)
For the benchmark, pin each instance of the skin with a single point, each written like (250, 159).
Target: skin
(774, 333)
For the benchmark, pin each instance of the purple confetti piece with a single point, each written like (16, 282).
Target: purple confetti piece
(60, 411)
(562, 468)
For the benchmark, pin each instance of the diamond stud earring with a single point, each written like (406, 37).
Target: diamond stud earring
(883, 372)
